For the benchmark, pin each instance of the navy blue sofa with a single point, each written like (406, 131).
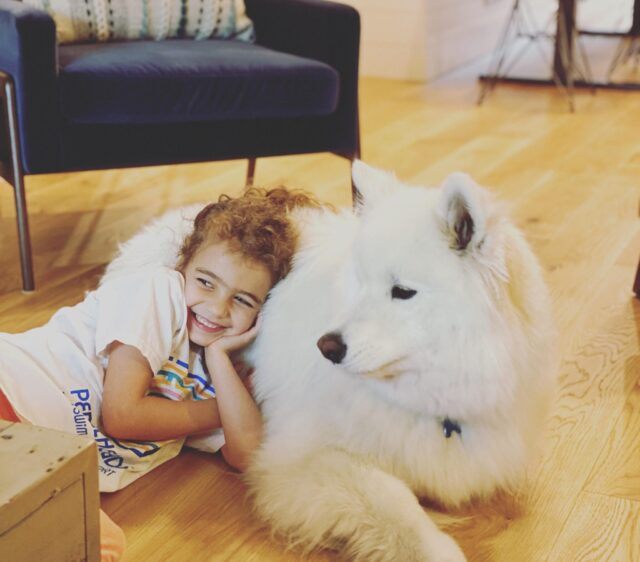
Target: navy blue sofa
(119, 104)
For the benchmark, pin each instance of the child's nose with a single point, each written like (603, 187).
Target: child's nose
(220, 307)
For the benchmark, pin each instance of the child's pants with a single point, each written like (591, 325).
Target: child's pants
(112, 540)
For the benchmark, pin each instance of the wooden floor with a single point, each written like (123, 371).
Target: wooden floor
(573, 183)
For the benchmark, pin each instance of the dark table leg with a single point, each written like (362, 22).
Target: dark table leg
(635, 26)
(565, 41)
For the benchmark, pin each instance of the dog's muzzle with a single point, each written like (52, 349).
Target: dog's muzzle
(332, 347)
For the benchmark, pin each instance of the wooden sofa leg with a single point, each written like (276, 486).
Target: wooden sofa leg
(15, 176)
(636, 285)
(251, 172)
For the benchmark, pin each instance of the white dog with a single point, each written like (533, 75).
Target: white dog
(408, 353)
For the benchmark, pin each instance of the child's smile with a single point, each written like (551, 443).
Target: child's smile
(205, 325)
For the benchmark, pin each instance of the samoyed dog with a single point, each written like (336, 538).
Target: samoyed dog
(409, 353)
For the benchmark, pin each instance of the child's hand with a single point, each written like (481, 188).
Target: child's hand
(229, 344)
(244, 371)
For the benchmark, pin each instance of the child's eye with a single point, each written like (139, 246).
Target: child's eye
(205, 282)
(244, 302)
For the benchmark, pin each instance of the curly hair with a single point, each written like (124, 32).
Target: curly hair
(255, 225)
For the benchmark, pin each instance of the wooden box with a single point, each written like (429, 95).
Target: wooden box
(49, 497)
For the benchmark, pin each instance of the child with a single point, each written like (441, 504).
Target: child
(106, 366)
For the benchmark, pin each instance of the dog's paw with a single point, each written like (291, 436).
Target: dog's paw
(442, 548)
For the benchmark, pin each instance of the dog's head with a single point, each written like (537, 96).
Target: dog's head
(442, 289)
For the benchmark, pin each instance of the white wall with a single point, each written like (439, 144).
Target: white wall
(423, 39)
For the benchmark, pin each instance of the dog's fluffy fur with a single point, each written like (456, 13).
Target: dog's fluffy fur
(439, 311)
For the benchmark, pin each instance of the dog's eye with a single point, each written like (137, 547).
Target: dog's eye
(402, 293)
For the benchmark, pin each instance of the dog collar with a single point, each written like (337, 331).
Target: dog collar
(450, 426)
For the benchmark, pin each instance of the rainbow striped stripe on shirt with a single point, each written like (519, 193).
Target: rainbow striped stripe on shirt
(174, 381)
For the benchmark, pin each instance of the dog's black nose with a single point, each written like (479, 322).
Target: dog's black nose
(332, 347)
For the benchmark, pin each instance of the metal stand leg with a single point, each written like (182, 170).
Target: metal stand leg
(251, 172)
(521, 24)
(629, 47)
(15, 177)
(585, 74)
(500, 52)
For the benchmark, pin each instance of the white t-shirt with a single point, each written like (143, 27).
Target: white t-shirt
(53, 375)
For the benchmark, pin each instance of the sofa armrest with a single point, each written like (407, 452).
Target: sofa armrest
(316, 29)
(28, 55)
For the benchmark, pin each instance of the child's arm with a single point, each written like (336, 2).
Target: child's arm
(128, 413)
(239, 414)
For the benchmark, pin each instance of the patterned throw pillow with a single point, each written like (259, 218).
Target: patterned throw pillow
(81, 21)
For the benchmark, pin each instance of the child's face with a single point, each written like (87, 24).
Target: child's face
(224, 293)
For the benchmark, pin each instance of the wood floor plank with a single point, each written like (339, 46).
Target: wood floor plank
(616, 472)
(602, 529)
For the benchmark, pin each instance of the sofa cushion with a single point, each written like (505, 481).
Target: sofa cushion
(82, 21)
(189, 81)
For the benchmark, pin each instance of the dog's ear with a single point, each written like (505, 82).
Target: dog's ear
(463, 212)
(371, 183)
